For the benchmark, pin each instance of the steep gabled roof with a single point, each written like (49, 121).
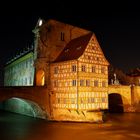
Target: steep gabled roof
(75, 48)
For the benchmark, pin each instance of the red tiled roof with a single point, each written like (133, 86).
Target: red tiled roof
(74, 49)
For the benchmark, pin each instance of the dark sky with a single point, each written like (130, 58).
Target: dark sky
(116, 25)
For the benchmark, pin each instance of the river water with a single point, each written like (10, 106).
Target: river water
(117, 127)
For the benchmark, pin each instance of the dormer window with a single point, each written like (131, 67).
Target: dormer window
(66, 50)
(62, 36)
(78, 48)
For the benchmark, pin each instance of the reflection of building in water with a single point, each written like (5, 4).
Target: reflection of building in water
(67, 60)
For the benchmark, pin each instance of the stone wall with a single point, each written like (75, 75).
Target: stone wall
(125, 94)
(136, 94)
(136, 98)
(77, 116)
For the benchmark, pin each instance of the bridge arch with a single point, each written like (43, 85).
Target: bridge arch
(115, 101)
(23, 106)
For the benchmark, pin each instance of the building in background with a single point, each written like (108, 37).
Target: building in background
(19, 71)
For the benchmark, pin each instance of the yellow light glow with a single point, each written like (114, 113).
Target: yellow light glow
(40, 78)
(40, 22)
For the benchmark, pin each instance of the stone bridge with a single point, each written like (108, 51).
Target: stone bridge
(119, 98)
(37, 102)
(32, 101)
(124, 98)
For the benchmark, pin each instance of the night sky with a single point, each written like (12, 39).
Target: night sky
(115, 24)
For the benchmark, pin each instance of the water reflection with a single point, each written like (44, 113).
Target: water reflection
(117, 126)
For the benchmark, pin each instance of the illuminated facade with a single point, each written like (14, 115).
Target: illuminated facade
(68, 60)
(80, 75)
(20, 70)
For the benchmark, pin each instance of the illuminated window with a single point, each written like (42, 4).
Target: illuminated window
(83, 68)
(91, 100)
(21, 81)
(64, 100)
(88, 83)
(102, 69)
(82, 100)
(67, 50)
(93, 69)
(55, 70)
(26, 81)
(29, 63)
(103, 84)
(96, 83)
(89, 57)
(26, 64)
(79, 48)
(73, 101)
(58, 100)
(62, 36)
(103, 99)
(81, 82)
(30, 80)
(73, 68)
(73, 82)
(40, 78)
(55, 83)
(66, 83)
(98, 59)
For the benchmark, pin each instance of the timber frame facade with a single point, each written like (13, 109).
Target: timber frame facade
(82, 83)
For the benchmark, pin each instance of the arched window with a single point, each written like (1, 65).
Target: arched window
(40, 78)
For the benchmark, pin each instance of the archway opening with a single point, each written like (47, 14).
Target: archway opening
(115, 103)
(40, 78)
(24, 107)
